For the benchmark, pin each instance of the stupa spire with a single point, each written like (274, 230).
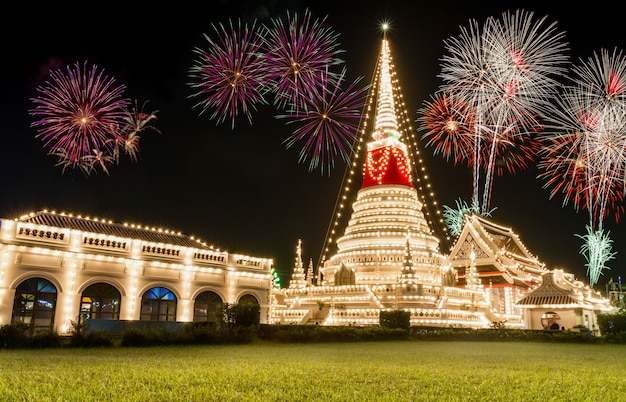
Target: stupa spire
(386, 123)
(387, 161)
(408, 268)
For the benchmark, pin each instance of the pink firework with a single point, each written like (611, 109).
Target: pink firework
(299, 53)
(229, 74)
(328, 122)
(79, 112)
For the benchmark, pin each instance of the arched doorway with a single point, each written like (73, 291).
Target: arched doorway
(205, 306)
(100, 301)
(35, 303)
(158, 304)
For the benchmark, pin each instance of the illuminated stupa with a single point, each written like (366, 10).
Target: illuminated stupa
(387, 212)
(389, 258)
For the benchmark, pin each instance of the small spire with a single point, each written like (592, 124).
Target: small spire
(297, 278)
(408, 269)
(309, 274)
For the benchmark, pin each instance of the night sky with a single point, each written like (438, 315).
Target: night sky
(241, 190)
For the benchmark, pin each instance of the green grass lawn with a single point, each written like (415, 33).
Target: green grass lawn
(360, 371)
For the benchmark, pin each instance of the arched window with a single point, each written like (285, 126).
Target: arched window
(248, 298)
(551, 320)
(205, 306)
(35, 303)
(158, 304)
(100, 301)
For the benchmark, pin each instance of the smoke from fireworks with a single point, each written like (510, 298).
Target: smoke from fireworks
(584, 151)
(229, 74)
(499, 78)
(328, 121)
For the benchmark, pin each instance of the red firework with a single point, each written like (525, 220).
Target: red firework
(450, 129)
(565, 171)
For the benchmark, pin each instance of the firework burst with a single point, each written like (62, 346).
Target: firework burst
(455, 217)
(450, 128)
(328, 122)
(503, 74)
(79, 112)
(597, 249)
(229, 74)
(584, 151)
(299, 53)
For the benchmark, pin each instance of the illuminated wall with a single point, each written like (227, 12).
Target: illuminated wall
(72, 260)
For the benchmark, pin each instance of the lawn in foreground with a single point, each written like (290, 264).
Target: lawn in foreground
(360, 371)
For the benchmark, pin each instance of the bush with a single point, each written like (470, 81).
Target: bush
(15, 335)
(46, 339)
(314, 333)
(239, 315)
(395, 319)
(612, 323)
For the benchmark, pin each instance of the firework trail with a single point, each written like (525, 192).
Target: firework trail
(299, 53)
(79, 113)
(328, 119)
(229, 74)
(501, 76)
(584, 149)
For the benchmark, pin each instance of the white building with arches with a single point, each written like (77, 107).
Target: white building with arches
(57, 269)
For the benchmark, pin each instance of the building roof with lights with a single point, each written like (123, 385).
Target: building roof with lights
(107, 227)
(560, 290)
(498, 253)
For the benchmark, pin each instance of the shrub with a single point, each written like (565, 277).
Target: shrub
(612, 323)
(395, 319)
(46, 339)
(240, 315)
(314, 333)
(15, 335)
(135, 337)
